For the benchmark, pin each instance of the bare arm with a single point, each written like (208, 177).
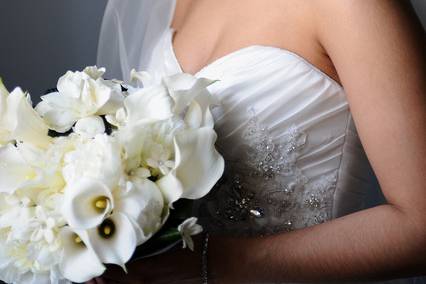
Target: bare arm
(379, 54)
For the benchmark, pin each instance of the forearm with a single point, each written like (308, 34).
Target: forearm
(376, 243)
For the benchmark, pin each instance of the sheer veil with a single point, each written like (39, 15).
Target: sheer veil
(131, 29)
(128, 27)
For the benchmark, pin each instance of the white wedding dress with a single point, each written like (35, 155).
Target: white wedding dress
(293, 156)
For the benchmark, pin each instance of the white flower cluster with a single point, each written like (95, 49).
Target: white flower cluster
(73, 202)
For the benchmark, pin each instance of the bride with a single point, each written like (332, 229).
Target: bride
(311, 94)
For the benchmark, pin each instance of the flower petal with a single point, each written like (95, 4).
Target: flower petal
(94, 72)
(171, 187)
(79, 262)
(198, 165)
(98, 158)
(120, 245)
(23, 121)
(151, 103)
(90, 126)
(54, 110)
(144, 204)
(14, 171)
(184, 88)
(79, 205)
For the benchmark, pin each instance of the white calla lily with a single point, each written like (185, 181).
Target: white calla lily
(79, 261)
(15, 172)
(115, 240)
(87, 203)
(19, 121)
(198, 165)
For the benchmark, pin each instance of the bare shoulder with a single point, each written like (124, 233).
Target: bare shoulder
(383, 36)
(389, 18)
(378, 49)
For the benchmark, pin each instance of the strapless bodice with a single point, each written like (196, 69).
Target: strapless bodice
(293, 156)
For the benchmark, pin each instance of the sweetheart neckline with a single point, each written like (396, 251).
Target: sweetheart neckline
(241, 50)
(238, 51)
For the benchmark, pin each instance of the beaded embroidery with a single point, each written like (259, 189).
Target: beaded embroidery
(264, 191)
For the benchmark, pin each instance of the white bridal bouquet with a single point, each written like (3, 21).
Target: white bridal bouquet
(95, 169)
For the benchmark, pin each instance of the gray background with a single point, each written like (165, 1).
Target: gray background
(40, 40)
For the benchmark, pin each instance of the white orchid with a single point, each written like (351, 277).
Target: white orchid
(189, 228)
(80, 94)
(19, 121)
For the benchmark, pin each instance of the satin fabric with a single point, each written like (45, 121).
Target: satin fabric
(293, 156)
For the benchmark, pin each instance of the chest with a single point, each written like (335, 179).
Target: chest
(207, 30)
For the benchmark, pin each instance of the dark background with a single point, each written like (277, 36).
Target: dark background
(40, 40)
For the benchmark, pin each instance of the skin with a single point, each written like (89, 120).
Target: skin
(376, 50)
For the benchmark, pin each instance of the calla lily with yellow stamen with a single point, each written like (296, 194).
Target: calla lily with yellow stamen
(79, 261)
(87, 203)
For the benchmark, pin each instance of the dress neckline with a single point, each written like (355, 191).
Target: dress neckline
(236, 52)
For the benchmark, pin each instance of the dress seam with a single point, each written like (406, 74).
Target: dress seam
(339, 169)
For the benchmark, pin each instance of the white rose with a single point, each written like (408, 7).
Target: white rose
(79, 95)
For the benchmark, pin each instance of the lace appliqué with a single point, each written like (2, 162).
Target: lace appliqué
(264, 191)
